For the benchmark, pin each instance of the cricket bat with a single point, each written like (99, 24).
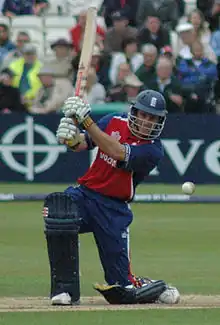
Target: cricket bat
(86, 52)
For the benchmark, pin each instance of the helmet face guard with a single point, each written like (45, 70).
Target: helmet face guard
(153, 104)
(149, 132)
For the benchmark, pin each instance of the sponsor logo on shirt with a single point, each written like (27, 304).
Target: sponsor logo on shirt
(107, 159)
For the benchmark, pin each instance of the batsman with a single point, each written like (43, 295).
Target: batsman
(129, 147)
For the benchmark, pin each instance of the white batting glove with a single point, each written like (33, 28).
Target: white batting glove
(68, 133)
(76, 107)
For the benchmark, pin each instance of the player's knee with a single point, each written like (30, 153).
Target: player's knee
(60, 214)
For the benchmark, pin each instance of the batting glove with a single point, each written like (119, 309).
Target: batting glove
(76, 107)
(68, 133)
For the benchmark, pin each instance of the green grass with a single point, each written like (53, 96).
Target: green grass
(149, 188)
(141, 317)
(175, 242)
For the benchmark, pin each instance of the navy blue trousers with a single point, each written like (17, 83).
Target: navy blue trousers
(108, 220)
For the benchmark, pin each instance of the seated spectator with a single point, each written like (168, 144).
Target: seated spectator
(52, 94)
(125, 92)
(198, 76)
(13, 8)
(124, 70)
(5, 44)
(62, 63)
(130, 55)
(147, 70)
(153, 32)
(26, 71)
(166, 9)
(185, 41)
(22, 39)
(94, 92)
(10, 99)
(166, 83)
(117, 34)
(77, 31)
(201, 29)
(129, 7)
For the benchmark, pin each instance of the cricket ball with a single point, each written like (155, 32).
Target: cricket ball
(188, 188)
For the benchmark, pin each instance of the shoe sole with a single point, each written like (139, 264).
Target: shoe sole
(61, 303)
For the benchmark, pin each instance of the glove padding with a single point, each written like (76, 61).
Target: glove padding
(76, 107)
(68, 133)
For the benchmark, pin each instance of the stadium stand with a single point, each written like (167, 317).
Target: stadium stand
(57, 7)
(56, 22)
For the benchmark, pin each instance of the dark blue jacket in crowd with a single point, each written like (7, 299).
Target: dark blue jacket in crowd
(19, 7)
(130, 10)
(191, 74)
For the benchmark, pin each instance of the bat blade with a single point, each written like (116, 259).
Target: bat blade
(86, 52)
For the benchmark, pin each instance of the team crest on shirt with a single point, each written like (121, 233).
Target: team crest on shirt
(116, 135)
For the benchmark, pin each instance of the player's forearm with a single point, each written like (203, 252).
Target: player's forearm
(107, 144)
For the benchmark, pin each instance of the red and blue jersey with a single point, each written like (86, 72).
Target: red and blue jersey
(118, 179)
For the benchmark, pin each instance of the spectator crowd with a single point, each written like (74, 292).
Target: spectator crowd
(144, 44)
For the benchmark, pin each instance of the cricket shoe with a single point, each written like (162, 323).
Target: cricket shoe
(139, 281)
(62, 299)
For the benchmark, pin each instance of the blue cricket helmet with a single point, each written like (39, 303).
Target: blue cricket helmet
(152, 103)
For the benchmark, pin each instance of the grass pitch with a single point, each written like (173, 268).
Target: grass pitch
(175, 242)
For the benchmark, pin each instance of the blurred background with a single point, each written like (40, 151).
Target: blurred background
(172, 46)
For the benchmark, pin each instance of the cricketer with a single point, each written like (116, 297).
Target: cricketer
(129, 147)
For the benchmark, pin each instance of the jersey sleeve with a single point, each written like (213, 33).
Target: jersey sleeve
(140, 157)
(102, 124)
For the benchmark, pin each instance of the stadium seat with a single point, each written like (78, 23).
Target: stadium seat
(75, 6)
(53, 34)
(26, 21)
(4, 20)
(59, 21)
(57, 7)
(40, 49)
